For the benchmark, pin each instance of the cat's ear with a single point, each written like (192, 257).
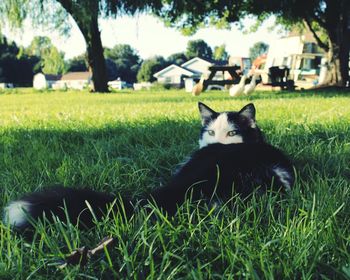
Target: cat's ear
(247, 113)
(206, 112)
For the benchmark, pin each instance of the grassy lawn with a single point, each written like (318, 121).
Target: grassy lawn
(130, 142)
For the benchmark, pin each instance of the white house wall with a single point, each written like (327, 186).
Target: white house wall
(172, 76)
(199, 66)
(71, 84)
(170, 80)
(280, 51)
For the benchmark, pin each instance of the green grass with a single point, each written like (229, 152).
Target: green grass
(129, 143)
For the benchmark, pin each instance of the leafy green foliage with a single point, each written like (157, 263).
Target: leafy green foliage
(177, 58)
(258, 49)
(149, 67)
(77, 64)
(130, 142)
(126, 60)
(16, 67)
(51, 60)
(198, 48)
(220, 53)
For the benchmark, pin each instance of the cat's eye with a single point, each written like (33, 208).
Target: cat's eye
(211, 132)
(231, 133)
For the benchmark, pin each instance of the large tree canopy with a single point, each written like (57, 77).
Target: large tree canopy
(332, 17)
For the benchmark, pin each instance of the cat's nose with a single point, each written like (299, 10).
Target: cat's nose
(221, 139)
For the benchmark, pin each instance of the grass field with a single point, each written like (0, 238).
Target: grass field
(129, 143)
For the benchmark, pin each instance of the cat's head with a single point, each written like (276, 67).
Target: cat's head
(228, 127)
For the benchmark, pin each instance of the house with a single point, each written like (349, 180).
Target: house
(173, 75)
(199, 66)
(193, 69)
(301, 55)
(44, 81)
(245, 63)
(119, 84)
(71, 80)
(142, 85)
(74, 80)
(6, 85)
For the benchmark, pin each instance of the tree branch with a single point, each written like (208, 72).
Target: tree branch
(320, 21)
(322, 44)
(67, 5)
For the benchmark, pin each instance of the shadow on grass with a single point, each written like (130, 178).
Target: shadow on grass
(121, 158)
(299, 94)
(134, 159)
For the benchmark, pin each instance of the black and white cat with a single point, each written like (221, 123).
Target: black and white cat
(228, 127)
(233, 158)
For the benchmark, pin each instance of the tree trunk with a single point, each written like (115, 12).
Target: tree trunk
(333, 64)
(96, 60)
(345, 48)
(86, 17)
(337, 26)
(338, 59)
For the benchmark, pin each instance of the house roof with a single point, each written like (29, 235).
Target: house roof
(209, 61)
(186, 71)
(189, 62)
(171, 67)
(70, 76)
(76, 76)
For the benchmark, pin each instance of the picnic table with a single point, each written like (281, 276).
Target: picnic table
(232, 70)
(279, 77)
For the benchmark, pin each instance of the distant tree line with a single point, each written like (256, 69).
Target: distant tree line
(18, 65)
(15, 66)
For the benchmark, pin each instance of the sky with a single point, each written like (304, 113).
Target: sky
(148, 35)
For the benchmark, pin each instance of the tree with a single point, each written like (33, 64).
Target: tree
(329, 16)
(177, 58)
(39, 46)
(258, 49)
(220, 53)
(51, 60)
(198, 48)
(55, 14)
(149, 67)
(15, 67)
(126, 60)
(77, 64)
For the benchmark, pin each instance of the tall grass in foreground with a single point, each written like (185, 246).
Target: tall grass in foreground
(129, 143)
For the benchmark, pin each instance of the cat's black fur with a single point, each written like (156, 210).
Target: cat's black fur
(220, 171)
(214, 172)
